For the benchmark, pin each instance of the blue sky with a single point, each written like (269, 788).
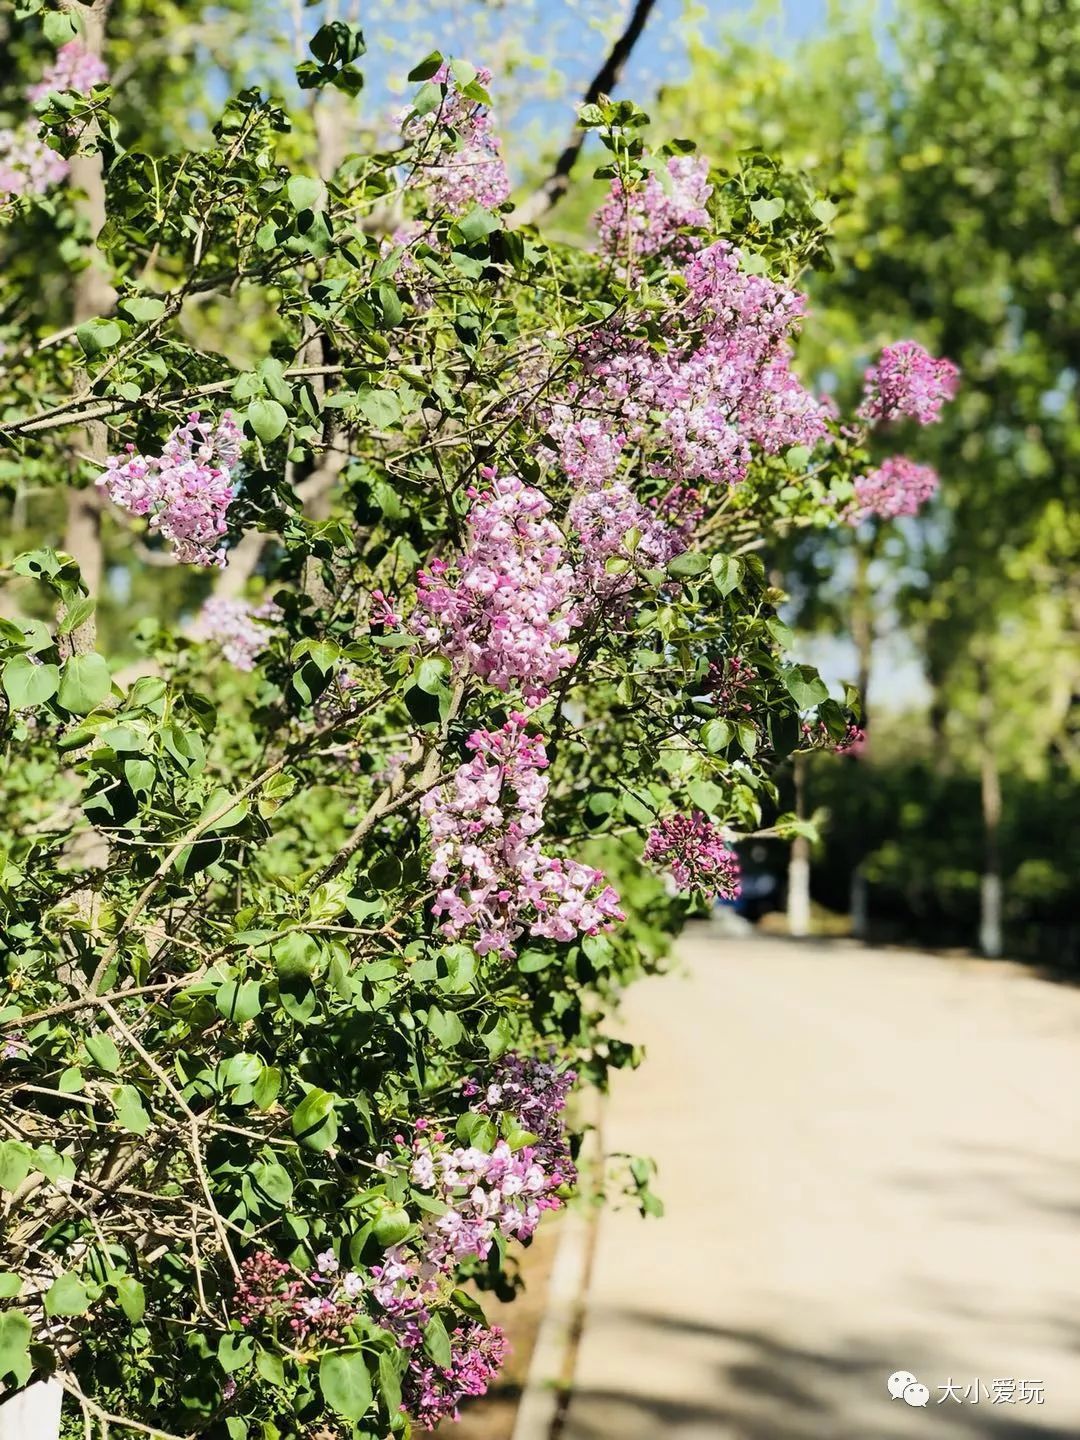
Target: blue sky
(544, 52)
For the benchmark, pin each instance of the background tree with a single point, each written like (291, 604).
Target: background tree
(945, 141)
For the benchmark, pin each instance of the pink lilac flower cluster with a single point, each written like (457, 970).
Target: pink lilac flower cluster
(383, 611)
(431, 1394)
(853, 743)
(611, 523)
(897, 487)
(459, 157)
(606, 518)
(722, 385)
(14, 1047)
(655, 216)
(589, 449)
(28, 166)
(482, 1195)
(492, 875)
(241, 631)
(185, 492)
(534, 1091)
(315, 1307)
(682, 507)
(907, 383)
(74, 68)
(816, 733)
(696, 853)
(728, 683)
(503, 610)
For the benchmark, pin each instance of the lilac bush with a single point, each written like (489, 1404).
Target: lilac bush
(329, 869)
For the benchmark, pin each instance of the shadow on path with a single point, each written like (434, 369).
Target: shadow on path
(779, 1391)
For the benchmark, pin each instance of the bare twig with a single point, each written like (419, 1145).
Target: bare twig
(603, 82)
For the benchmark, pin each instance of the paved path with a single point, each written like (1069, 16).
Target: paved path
(871, 1163)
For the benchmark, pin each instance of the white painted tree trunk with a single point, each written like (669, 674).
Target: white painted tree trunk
(32, 1414)
(991, 939)
(798, 875)
(798, 893)
(991, 942)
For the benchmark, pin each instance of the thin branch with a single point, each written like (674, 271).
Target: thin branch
(60, 416)
(603, 82)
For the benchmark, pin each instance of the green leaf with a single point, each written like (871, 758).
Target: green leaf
(296, 954)
(270, 1367)
(748, 739)
(727, 572)
(267, 419)
(707, 796)
(84, 683)
(345, 1383)
(27, 685)
(391, 1225)
(304, 191)
(16, 1161)
(432, 675)
(15, 1333)
(267, 1087)
(143, 308)
(476, 1130)
(390, 1379)
(804, 685)
(132, 1298)
(275, 1182)
(10, 1284)
(530, 962)
(130, 1115)
(445, 1026)
(239, 1001)
(102, 1050)
(59, 27)
(234, 1352)
(476, 224)
(314, 1121)
(690, 563)
(766, 211)
(716, 735)
(381, 407)
(67, 1295)
(76, 611)
(427, 67)
(437, 1343)
(780, 632)
(391, 306)
(98, 335)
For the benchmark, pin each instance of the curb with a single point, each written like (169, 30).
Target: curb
(548, 1383)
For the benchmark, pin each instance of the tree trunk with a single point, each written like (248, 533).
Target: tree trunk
(798, 890)
(862, 631)
(92, 296)
(991, 939)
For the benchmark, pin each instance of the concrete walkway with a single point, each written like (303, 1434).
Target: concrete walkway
(871, 1163)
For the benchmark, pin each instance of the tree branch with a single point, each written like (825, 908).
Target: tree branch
(93, 295)
(603, 82)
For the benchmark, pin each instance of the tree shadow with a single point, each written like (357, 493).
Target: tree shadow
(773, 1390)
